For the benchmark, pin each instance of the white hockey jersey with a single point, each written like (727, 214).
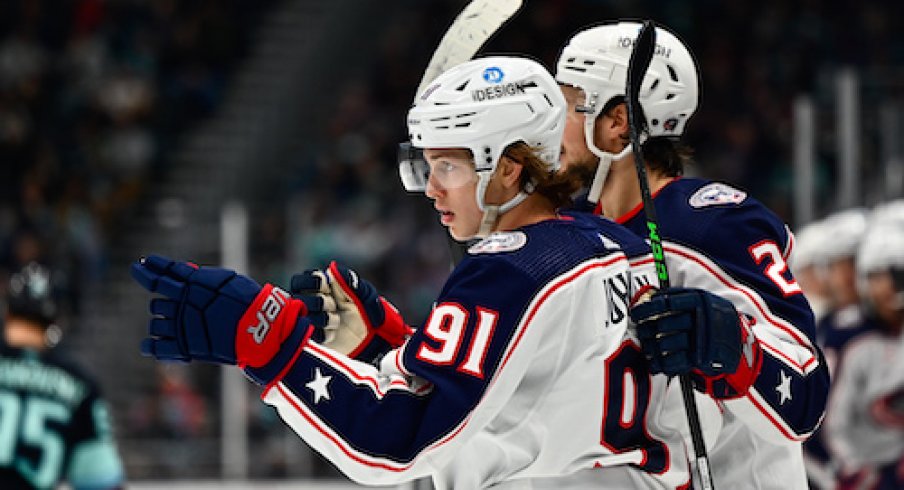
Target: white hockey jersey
(525, 369)
(872, 367)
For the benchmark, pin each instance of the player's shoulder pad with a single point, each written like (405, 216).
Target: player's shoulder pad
(499, 242)
(716, 194)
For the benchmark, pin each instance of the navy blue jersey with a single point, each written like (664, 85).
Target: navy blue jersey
(54, 426)
(719, 239)
(524, 369)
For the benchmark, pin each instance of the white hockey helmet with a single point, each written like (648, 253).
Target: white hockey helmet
(888, 212)
(809, 243)
(485, 105)
(882, 250)
(596, 60)
(845, 230)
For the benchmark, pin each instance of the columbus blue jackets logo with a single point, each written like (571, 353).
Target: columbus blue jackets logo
(716, 193)
(499, 242)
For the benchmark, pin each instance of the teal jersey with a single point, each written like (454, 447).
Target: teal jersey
(54, 425)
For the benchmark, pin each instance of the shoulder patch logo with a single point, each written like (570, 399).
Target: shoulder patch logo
(716, 193)
(499, 242)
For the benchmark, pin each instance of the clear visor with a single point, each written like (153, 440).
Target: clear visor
(413, 168)
(447, 172)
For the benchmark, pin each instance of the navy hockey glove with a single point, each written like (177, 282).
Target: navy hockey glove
(368, 327)
(216, 315)
(684, 330)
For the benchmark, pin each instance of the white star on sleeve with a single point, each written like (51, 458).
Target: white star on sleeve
(319, 386)
(783, 388)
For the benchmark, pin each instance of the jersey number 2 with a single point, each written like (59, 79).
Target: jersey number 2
(767, 249)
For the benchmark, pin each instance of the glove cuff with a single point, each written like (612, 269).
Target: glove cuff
(267, 323)
(738, 383)
(393, 329)
(285, 357)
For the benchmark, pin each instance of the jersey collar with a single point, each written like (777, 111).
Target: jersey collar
(637, 209)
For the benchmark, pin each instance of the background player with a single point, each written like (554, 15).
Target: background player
(716, 238)
(534, 318)
(54, 425)
(843, 319)
(865, 437)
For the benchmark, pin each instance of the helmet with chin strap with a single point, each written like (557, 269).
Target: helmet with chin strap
(485, 105)
(596, 60)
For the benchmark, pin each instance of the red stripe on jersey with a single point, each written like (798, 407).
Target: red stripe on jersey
(790, 246)
(775, 422)
(798, 337)
(551, 290)
(648, 259)
(287, 396)
(351, 373)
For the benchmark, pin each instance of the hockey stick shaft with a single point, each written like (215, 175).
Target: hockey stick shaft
(641, 56)
(473, 27)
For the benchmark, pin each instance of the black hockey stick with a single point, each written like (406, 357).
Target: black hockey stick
(637, 68)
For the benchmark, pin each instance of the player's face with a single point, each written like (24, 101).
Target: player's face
(811, 281)
(884, 297)
(575, 155)
(842, 282)
(452, 187)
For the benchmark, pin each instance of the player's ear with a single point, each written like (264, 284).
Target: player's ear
(509, 172)
(618, 119)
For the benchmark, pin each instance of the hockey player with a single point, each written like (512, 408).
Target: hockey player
(843, 321)
(54, 424)
(807, 265)
(864, 430)
(525, 367)
(716, 238)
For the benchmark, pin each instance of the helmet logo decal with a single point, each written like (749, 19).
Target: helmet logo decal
(625, 42)
(493, 74)
(497, 91)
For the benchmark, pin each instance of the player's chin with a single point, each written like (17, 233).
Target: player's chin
(460, 235)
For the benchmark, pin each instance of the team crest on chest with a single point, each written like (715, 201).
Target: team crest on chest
(499, 242)
(716, 193)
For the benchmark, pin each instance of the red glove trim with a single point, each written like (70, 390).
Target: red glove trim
(265, 325)
(751, 359)
(393, 330)
(738, 383)
(334, 268)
